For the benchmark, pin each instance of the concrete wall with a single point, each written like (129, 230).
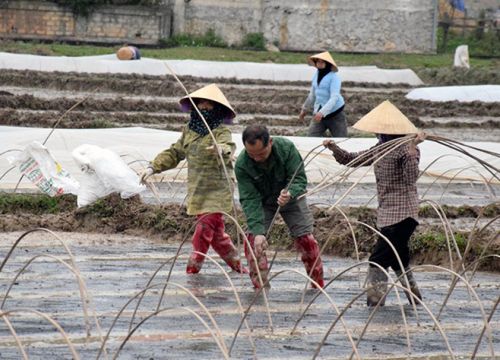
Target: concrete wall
(45, 20)
(351, 25)
(338, 25)
(231, 19)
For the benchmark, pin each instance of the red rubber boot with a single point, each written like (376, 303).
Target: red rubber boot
(202, 237)
(223, 245)
(308, 247)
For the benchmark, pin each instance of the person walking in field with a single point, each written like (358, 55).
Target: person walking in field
(264, 170)
(396, 175)
(209, 191)
(324, 99)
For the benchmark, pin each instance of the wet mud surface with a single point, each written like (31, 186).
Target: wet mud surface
(116, 267)
(116, 100)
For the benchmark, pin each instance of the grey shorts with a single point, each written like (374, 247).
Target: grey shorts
(296, 214)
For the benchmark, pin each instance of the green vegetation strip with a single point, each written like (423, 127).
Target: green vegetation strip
(387, 60)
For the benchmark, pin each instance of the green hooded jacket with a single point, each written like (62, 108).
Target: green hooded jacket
(261, 183)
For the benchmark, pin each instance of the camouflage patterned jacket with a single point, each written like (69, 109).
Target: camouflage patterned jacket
(208, 188)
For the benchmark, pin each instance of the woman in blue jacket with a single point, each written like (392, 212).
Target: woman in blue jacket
(324, 99)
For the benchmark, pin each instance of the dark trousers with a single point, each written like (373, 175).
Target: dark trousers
(335, 122)
(296, 214)
(399, 235)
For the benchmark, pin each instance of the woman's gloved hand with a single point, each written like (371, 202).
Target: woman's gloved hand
(146, 174)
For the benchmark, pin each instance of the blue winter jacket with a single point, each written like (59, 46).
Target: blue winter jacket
(326, 96)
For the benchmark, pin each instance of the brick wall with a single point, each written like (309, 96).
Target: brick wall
(45, 20)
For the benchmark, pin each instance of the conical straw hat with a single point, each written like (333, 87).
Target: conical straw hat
(325, 56)
(209, 92)
(386, 119)
(125, 53)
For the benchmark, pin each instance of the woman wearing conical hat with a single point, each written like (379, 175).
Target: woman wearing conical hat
(324, 99)
(209, 192)
(396, 176)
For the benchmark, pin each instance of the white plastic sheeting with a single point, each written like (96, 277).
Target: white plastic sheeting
(138, 145)
(199, 68)
(484, 93)
(103, 172)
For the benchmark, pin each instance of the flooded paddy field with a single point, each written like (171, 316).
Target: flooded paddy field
(116, 267)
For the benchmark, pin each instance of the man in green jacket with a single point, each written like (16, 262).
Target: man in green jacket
(264, 171)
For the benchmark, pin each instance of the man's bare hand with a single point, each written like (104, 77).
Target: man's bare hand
(284, 197)
(260, 245)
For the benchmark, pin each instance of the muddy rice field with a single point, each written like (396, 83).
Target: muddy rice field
(30, 98)
(108, 281)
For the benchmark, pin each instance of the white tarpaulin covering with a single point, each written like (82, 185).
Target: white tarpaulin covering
(199, 68)
(136, 144)
(484, 93)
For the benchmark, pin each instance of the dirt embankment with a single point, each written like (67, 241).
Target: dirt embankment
(457, 76)
(171, 223)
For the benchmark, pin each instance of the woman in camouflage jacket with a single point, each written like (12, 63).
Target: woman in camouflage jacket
(210, 192)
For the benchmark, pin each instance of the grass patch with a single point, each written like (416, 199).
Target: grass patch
(435, 240)
(210, 39)
(35, 204)
(254, 41)
(467, 211)
(100, 124)
(101, 208)
(160, 221)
